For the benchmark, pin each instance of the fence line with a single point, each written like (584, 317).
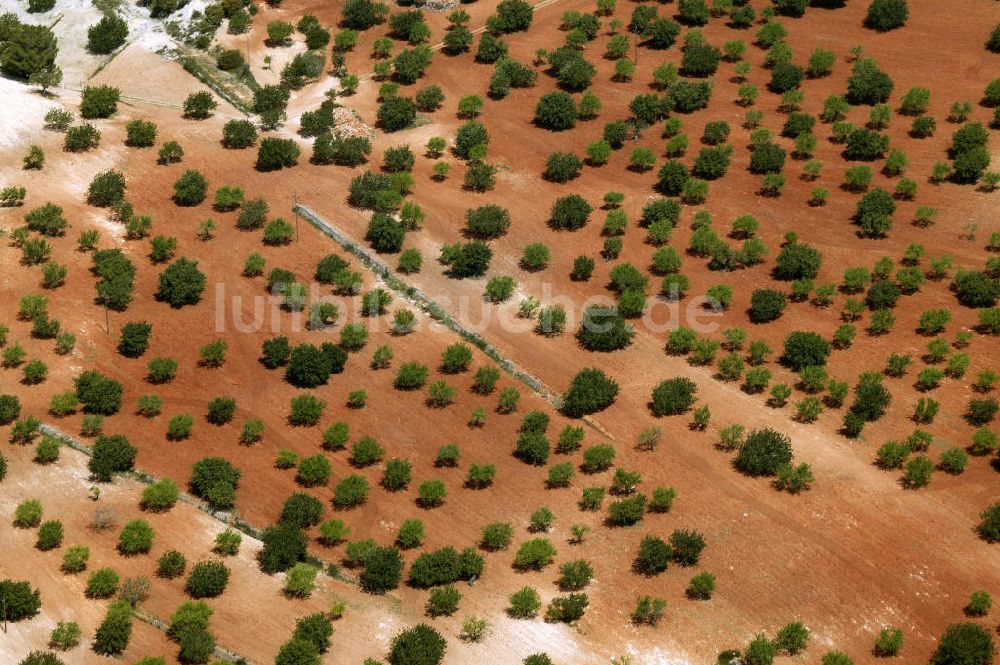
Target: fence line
(219, 652)
(230, 519)
(427, 304)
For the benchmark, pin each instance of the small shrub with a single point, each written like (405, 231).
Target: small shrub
(300, 580)
(75, 559)
(314, 470)
(886, 15)
(918, 472)
(199, 105)
(50, 535)
(136, 537)
(534, 554)
(179, 427)
(227, 543)
(207, 579)
(65, 636)
(102, 583)
(653, 557)
(889, 642)
(306, 410)
(411, 533)
(420, 644)
(431, 493)
(351, 491)
(979, 605)
(524, 603)
(496, 536)
(28, 514)
(160, 496)
(673, 397)
(443, 601)
(366, 451)
(333, 532)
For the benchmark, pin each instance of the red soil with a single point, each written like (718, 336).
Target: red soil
(853, 554)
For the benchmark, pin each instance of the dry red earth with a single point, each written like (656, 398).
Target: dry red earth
(63, 488)
(853, 554)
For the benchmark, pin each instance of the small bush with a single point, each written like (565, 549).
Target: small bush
(792, 638)
(431, 493)
(99, 101)
(180, 427)
(806, 349)
(50, 535)
(65, 636)
(136, 537)
(604, 329)
(215, 480)
(314, 470)
(701, 586)
(102, 583)
(524, 603)
(420, 645)
(964, 643)
(567, 608)
(227, 543)
(653, 557)
(496, 536)
(351, 491)
(886, 15)
(300, 580)
(763, 452)
(306, 410)
(648, 610)
(199, 105)
(366, 451)
(207, 579)
(889, 642)
(160, 496)
(98, 393)
(766, 305)
(239, 134)
(275, 154)
(868, 84)
(140, 134)
(979, 605)
(171, 564)
(953, 460)
(181, 283)
(47, 450)
(673, 397)
(590, 391)
(534, 554)
(75, 559)
(411, 533)
(627, 512)
(383, 568)
(333, 532)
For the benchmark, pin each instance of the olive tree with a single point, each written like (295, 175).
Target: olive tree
(591, 390)
(763, 452)
(886, 15)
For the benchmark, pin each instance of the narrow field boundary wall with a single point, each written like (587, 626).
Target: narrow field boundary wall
(428, 305)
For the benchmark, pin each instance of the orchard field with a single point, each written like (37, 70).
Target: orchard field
(627, 332)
